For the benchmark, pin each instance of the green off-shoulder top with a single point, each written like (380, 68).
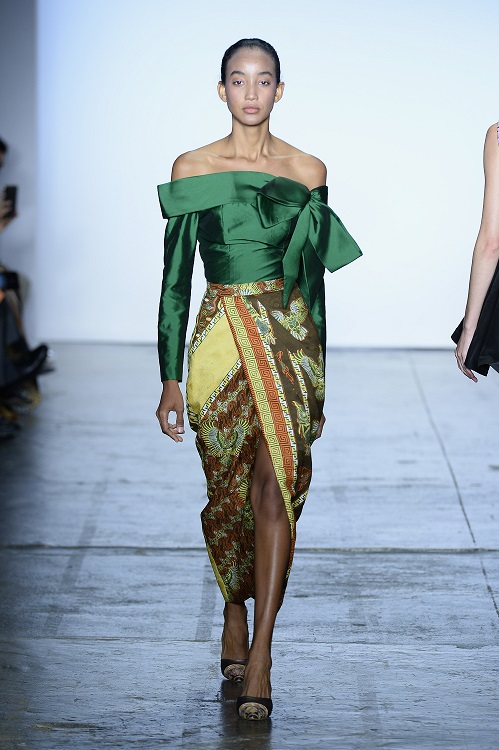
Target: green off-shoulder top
(251, 226)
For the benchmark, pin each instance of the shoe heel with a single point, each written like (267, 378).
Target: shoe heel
(253, 709)
(233, 669)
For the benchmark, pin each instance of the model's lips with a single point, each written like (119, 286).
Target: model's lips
(251, 110)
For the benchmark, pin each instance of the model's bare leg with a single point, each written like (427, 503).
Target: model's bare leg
(235, 633)
(272, 550)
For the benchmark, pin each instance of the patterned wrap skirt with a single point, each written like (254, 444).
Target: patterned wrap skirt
(256, 370)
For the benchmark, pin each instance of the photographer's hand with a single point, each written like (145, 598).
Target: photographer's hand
(5, 209)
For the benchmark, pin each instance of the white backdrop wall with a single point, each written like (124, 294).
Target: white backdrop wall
(394, 97)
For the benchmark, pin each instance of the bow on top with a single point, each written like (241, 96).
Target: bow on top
(319, 239)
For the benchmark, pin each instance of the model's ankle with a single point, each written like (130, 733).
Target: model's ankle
(260, 653)
(235, 611)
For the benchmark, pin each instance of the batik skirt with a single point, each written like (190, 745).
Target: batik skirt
(256, 370)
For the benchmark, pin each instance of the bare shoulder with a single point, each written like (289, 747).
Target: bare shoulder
(299, 166)
(492, 136)
(189, 164)
(491, 148)
(311, 170)
(194, 163)
(492, 132)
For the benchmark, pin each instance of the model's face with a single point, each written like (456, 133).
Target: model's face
(250, 88)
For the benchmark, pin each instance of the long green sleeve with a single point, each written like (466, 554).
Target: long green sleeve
(180, 246)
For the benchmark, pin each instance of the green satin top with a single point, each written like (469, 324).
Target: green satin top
(251, 226)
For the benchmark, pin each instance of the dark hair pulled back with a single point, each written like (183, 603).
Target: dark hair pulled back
(250, 44)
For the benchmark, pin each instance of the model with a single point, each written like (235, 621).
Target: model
(255, 387)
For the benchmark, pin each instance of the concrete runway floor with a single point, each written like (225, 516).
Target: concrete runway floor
(110, 615)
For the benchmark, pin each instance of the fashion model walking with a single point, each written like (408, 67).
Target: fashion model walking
(255, 387)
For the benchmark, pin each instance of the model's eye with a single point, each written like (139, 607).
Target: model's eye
(237, 83)
(265, 83)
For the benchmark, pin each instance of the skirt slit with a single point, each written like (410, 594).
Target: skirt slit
(255, 369)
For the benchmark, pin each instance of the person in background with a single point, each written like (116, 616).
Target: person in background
(19, 365)
(477, 337)
(6, 215)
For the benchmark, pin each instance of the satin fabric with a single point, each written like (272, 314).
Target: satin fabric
(251, 226)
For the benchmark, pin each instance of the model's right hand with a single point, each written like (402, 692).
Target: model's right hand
(171, 400)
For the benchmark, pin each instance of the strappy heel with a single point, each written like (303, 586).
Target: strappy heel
(233, 669)
(253, 709)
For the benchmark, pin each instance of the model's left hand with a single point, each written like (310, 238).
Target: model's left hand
(321, 425)
(461, 352)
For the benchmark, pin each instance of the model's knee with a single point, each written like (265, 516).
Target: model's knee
(267, 502)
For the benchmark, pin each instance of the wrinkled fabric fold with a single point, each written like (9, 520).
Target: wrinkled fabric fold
(251, 226)
(483, 351)
(319, 235)
(180, 246)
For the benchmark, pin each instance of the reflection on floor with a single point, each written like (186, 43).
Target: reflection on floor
(110, 616)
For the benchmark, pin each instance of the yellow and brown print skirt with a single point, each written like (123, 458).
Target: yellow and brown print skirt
(255, 369)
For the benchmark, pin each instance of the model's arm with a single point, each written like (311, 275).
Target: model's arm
(486, 253)
(180, 245)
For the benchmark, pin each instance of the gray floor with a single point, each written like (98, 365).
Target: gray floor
(110, 616)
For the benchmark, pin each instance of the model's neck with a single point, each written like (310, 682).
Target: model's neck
(250, 143)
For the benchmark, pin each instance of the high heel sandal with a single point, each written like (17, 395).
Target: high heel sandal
(254, 709)
(233, 669)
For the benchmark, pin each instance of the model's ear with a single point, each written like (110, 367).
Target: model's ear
(279, 91)
(221, 91)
